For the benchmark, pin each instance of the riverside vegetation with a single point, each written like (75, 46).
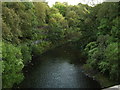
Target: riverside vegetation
(31, 28)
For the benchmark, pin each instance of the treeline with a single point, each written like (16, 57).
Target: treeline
(28, 29)
(27, 32)
(31, 28)
(102, 50)
(99, 40)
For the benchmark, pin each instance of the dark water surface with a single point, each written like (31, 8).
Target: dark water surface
(56, 69)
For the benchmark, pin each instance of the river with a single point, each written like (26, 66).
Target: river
(57, 68)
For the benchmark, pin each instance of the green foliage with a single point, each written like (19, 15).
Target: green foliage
(56, 34)
(58, 25)
(41, 12)
(38, 49)
(28, 21)
(111, 54)
(115, 27)
(12, 65)
(93, 54)
(61, 7)
(104, 26)
(53, 10)
(26, 53)
(90, 46)
(104, 57)
(104, 66)
(6, 32)
(94, 28)
(56, 19)
(107, 9)
(72, 18)
(11, 25)
(20, 22)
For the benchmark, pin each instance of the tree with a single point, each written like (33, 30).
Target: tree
(12, 65)
(61, 7)
(72, 18)
(41, 9)
(11, 25)
(111, 54)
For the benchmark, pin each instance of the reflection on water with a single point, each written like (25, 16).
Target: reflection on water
(53, 70)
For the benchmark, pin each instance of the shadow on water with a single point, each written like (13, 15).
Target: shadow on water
(56, 69)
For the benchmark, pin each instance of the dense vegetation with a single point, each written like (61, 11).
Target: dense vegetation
(31, 28)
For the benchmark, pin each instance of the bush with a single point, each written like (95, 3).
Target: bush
(111, 53)
(41, 47)
(26, 53)
(12, 65)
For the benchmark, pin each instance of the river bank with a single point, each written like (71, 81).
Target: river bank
(88, 70)
(104, 81)
(57, 68)
(74, 55)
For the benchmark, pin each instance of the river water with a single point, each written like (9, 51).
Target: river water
(57, 69)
